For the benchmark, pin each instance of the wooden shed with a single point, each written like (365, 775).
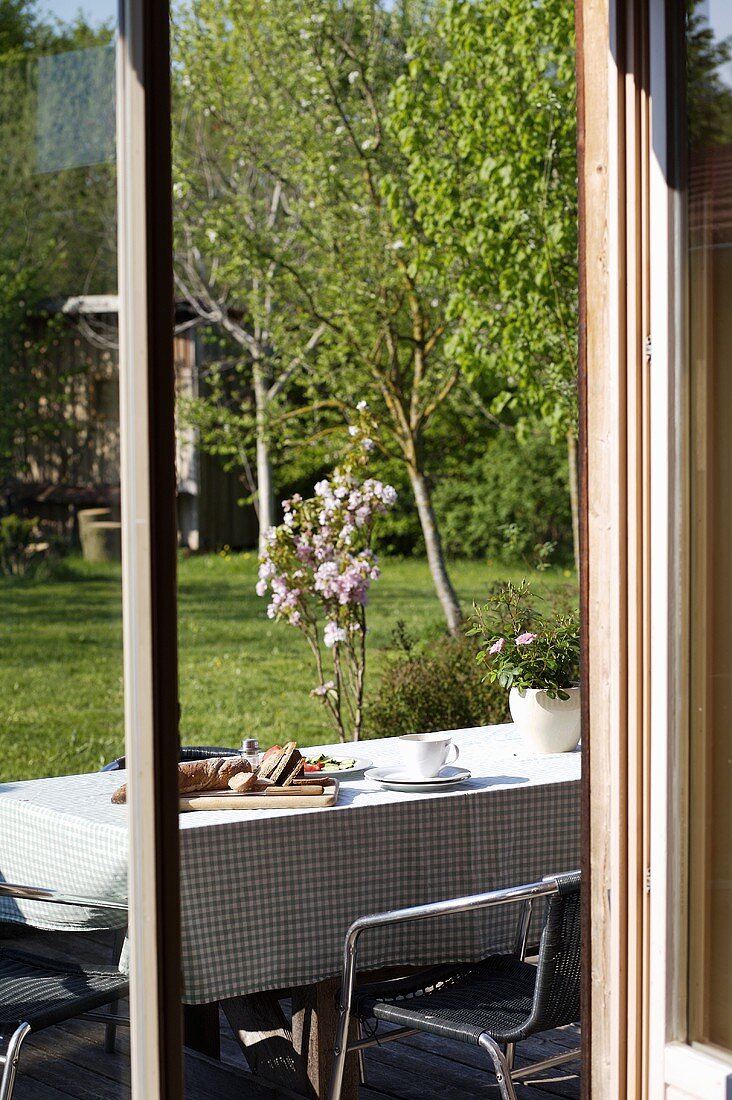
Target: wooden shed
(74, 461)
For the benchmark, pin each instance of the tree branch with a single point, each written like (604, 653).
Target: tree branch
(277, 387)
(441, 396)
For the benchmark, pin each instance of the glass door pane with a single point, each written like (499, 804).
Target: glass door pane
(709, 95)
(376, 334)
(60, 570)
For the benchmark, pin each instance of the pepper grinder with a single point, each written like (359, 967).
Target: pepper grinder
(250, 751)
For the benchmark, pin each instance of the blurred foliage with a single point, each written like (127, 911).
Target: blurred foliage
(378, 201)
(58, 229)
(709, 98)
(509, 502)
(485, 117)
(437, 686)
(16, 542)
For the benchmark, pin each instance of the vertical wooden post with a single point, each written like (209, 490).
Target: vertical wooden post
(314, 1019)
(600, 558)
(147, 434)
(615, 294)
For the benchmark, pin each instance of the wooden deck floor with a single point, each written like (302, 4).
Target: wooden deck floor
(68, 1062)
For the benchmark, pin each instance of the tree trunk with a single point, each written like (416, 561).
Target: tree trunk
(574, 496)
(265, 484)
(435, 553)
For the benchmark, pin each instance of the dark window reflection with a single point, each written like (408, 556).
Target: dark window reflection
(709, 98)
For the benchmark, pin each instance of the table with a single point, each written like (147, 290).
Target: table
(267, 896)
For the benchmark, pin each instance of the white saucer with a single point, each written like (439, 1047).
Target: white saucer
(394, 779)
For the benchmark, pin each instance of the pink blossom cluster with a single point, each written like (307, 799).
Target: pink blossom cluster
(347, 585)
(349, 505)
(323, 689)
(320, 556)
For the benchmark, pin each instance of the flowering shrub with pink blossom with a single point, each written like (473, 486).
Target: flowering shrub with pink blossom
(522, 648)
(317, 570)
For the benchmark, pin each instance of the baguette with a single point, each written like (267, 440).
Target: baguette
(212, 774)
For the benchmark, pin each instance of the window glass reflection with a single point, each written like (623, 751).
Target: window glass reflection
(709, 95)
(61, 716)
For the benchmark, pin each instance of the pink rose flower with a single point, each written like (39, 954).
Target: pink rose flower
(497, 646)
(525, 639)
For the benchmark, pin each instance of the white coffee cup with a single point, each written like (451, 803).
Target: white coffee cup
(424, 754)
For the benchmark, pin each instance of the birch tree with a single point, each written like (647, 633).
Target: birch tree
(235, 237)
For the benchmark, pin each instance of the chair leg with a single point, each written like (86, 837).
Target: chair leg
(110, 1030)
(510, 1054)
(339, 1055)
(11, 1061)
(503, 1073)
(361, 1057)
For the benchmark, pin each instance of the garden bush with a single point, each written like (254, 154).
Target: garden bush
(509, 500)
(17, 536)
(437, 687)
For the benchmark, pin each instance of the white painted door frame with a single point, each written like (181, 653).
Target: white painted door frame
(676, 1069)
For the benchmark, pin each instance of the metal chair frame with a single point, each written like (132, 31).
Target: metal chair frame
(9, 1060)
(502, 1058)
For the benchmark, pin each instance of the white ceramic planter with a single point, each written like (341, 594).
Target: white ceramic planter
(546, 725)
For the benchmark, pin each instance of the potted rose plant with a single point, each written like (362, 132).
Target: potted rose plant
(536, 657)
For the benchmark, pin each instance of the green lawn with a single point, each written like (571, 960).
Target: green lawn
(240, 674)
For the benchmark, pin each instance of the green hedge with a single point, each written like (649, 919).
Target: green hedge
(437, 688)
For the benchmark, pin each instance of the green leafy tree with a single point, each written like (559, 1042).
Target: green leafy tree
(485, 117)
(304, 95)
(236, 237)
(709, 98)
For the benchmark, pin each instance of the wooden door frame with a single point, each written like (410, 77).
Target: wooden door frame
(675, 1066)
(614, 385)
(149, 544)
(591, 150)
(635, 432)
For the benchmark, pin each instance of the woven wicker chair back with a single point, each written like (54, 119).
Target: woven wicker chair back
(557, 991)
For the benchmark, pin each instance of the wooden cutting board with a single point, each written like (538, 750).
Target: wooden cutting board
(287, 800)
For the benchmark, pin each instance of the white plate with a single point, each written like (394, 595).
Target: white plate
(359, 766)
(394, 779)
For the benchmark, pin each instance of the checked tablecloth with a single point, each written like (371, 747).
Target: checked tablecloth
(267, 895)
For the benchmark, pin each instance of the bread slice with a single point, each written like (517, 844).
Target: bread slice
(288, 765)
(269, 761)
(243, 781)
(296, 771)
